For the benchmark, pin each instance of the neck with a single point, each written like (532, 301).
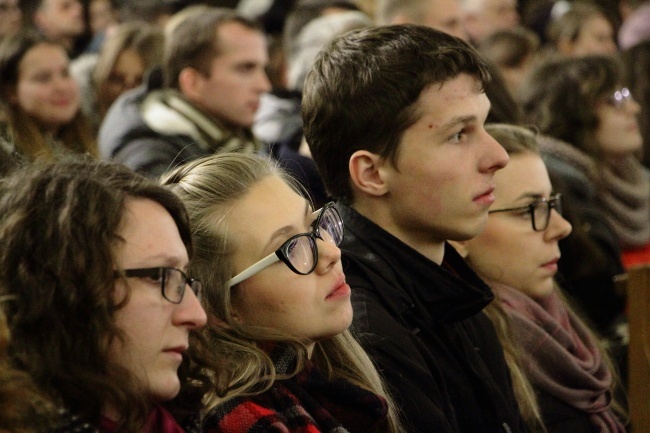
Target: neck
(424, 242)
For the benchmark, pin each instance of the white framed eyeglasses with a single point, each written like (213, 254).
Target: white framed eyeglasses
(300, 252)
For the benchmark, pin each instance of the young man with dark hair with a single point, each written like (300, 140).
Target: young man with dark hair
(203, 101)
(394, 119)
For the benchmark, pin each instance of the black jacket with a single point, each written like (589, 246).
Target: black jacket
(422, 325)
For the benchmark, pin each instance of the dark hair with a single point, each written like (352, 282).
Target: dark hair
(363, 90)
(194, 42)
(26, 134)
(560, 97)
(58, 227)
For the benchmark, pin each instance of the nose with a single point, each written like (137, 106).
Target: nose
(632, 106)
(328, 256)
(263, 82)
(558, 228)
(494, 156)
(189, 312)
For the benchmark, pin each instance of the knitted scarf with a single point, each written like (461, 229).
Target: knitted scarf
(623, 186)
(625, 198)
(560, 355)
(309, 402)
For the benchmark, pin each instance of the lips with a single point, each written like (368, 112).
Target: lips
(341, 289)
(486, 197)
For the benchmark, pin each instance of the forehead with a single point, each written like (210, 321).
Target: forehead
(42, 53)
(458, 97)
(234, 37)
(524, 174)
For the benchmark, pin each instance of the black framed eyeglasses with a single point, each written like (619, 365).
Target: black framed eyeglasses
(173, 281)
(300, 252)
(540, 211)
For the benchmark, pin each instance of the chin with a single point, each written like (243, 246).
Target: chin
(166, 390)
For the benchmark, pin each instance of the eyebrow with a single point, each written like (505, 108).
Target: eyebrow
(283, 231)
(458, 120)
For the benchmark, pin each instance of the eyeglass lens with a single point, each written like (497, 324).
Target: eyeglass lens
(542, 212)
(302, 251)
(174, 284)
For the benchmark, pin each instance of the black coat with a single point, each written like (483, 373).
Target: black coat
(422, 325)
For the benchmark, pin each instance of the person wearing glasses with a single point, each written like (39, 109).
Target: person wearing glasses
(591, 146)
(278, 304)
(102, 313)
(517, 254)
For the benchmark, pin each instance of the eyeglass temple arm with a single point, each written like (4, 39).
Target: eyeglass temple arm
(252, 270)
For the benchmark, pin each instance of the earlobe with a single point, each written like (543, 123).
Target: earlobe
(366, 172)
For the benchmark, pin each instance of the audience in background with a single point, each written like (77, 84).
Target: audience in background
(589, 118)
(205, 102)
(513, 52)
(636, 69)
(40, 99)
(10, 18)
(127, 54)
(582, 30)
(481, 18)
(91, 253)
(61, 21)
(443, 15)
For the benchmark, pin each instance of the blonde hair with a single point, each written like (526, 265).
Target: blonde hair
(209, 187)
(518, 140)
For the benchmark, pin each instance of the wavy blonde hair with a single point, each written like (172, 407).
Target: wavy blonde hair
(209, 187)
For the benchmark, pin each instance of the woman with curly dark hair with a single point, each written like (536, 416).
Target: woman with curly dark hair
(102, 314)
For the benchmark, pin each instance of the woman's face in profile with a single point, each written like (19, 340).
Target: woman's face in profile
(509, 250)
(156, 330)
(45, 90)
(313, 306)
(617, 133)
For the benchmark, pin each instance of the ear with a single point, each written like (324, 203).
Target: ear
(461, 247)
(366, 172)
(190, 82)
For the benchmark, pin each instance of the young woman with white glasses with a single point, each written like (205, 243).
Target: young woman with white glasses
(278, 305)
(517, 254)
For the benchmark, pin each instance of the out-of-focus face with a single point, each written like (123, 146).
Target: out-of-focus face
(485, 17)
(618, 132)
(595, 37)
(156, 331)
(443, 182)
(101, 15)
(508, 250)
(45, 90)
(127, 74)
(313, 306)
(446, 16)
(237, 78)
(10, 17)
(60, 18)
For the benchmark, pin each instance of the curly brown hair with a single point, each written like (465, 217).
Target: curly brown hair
(58, 226)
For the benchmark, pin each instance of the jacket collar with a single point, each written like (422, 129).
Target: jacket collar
(448, 292)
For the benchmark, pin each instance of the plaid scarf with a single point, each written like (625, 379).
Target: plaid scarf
(560, 355)
(306, 403)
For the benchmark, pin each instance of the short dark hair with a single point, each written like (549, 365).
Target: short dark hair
(194, 43)
(59, 224)
(363, 89)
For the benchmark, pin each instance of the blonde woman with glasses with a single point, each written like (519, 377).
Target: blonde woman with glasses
(517, 254)
(278, 304)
